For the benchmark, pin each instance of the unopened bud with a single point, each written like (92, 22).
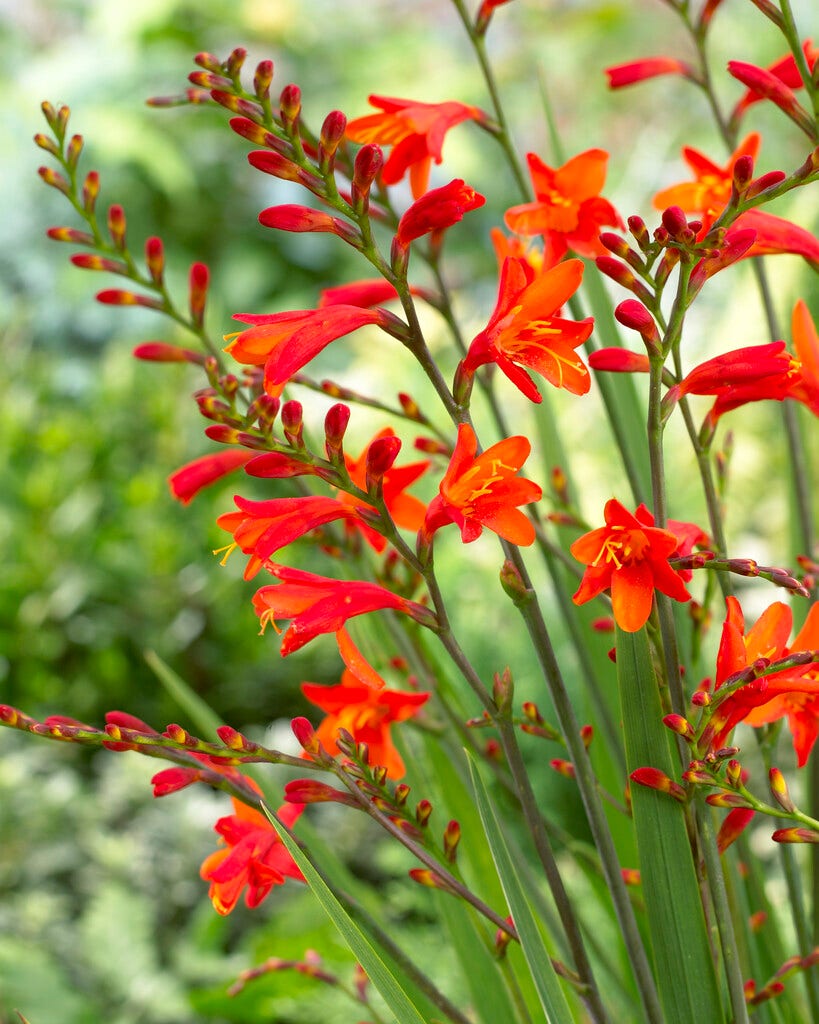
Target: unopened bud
(233, 65)
(335, 425)
(653, 778)
(423, 810)
(503, 690)
(587, 735)
(54, 179)
(674, 221)
(368, 163)
(452, 836)
(198, 291)
(262, 79)
(637, 227)
(290, 106)
(90, 191)
(332, 132)
(381, 455)
(116, 226)
(634, 315)
(292, 420)
(155, 258)
(305, 735)
(779, 790)
(743, 173)
(795, 835)
(513, 583)
(681, 726)
(562, 767)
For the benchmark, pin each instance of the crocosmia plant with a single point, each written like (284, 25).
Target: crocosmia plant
(560, 710)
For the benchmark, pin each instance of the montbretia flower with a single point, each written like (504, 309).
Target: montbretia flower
(405, 510)
(751, 374)
(526, 330)
(254, 857)
(367, 714)
(629, 555)
(261, 528)
(435, 211)
(284, 343)
(484, 490)
(805, 386)
(710, 191)
(568, 209)
(786, 71)
(649, 67)
(194, 476)
(792, 693)
(416, 133)
(316, 604)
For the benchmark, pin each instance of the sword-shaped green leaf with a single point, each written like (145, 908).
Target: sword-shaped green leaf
(550, 993)
(685, 976)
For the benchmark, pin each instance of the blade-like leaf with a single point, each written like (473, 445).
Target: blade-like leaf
(550, 993)
(388, 984)
(685, 975)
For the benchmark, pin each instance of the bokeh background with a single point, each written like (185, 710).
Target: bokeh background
(102, 913)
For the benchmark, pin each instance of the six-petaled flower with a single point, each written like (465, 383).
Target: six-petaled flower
(484, 490)
(526, 330)
(253, 857)
(367, 714)
(630, 556)
(568, 209)
(416, 133)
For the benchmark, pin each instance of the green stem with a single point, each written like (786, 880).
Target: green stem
(587, 785)
(722, 910)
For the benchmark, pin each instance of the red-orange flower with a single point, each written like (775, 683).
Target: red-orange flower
(649, 67)
(437, 210)
(416, 132)
(568, 209)
(525, 330)
(805, 386)
(285, 342)
(316, 604)
(254, 857)
(710, 192)
(261, 528)
(405, 510)
(786, 71)
(194, 476)
(484, 490)
(629, 555)
(792, 693)
(367, 714)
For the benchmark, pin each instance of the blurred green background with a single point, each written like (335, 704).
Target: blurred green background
(102, 913)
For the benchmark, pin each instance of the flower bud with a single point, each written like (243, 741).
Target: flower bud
(90, 191)
(236, 58)
(368, 163)
(116, 226)
(779, 790)
(330, 136)
(335, 425)
(197, 293)
(503, 690)
(306, 735)
(423, 810)
(262, 79)
(290, 107)
(653, 778)
(795, 835)
(292, 420)
(452, 836)
(381, 455)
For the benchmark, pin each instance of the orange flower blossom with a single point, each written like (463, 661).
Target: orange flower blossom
(710, 192)
(630, 555)
(786, 71)
(484, 490)
(316, 604)
(416, 132)
(568, 209)
(194, 476)
(525, 330)
(405, 510)
(648, 67)
(792, 693)
(284, 343)
(366, 713)
(261, 528)
(435, 211)
(254, 857)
